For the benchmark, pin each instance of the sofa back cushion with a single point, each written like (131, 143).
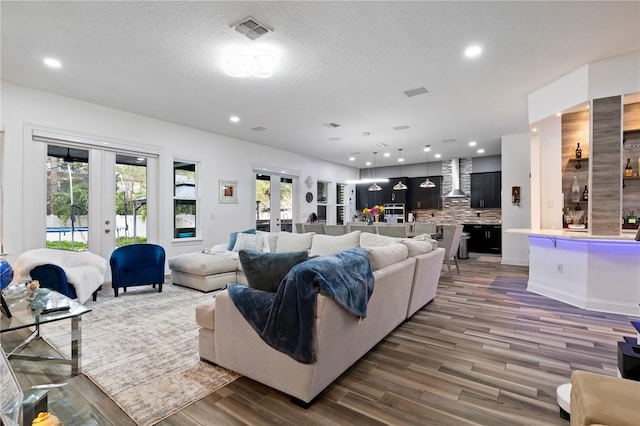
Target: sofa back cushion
(323, 245)
(293, 242)
(368, 239)
(383, 256)
(265, 271)
(416, 248)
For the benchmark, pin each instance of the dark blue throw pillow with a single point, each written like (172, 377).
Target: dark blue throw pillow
(265, 271)
(234, 236)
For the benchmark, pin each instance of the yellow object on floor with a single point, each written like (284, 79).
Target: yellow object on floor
(46, 419)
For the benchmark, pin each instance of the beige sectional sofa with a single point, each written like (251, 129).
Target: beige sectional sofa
(405, 274)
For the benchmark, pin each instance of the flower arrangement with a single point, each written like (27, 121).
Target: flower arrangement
(370, 213)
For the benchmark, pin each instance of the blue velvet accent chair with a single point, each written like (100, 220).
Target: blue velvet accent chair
(53, 277)
(137, 264)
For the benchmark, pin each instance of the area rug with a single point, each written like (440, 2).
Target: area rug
(141, 349)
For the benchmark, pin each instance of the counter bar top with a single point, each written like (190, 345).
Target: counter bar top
(578, 234)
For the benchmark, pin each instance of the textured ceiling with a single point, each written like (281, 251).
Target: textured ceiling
(339, 62)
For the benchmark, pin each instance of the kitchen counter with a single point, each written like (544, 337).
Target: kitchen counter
(594, 272)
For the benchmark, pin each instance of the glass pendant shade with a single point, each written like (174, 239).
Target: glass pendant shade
(375, 187)
(427, 184)
(399, 186)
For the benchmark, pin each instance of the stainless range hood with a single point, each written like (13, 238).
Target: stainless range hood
(455, 180)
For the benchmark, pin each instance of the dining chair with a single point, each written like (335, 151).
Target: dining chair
(364, 228)
(313, 227)
(335, 229)
(450, 242)
(424, 228)
(299, 228)
(399, 231)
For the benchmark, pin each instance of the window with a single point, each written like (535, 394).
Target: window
(184, 199)
(341, 195)
(323, 201)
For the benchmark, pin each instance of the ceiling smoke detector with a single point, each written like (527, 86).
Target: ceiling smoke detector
(251, 28)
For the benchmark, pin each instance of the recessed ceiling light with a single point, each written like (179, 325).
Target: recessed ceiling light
(368, 163)
(427, 148)
(386, 154)
(234, 119)
(251, 63)
(352, 158)
(558, 114)
(400, 160)
(472, 143)
(534, 129)
(481, 151)
(473, 51)
(438, 155)
(53, 63)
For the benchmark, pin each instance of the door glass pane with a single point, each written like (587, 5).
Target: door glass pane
(323, 201)
(131, 200)
(263, 202)
(286, 204)
(184, 200)
(67, 198)
(341, 193)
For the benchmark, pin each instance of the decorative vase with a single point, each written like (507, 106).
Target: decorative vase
(377, 218)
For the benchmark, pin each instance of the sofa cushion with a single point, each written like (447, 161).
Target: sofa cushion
(204, 264)
(234, 235)
(257, 242)
(367, 239)
(416, 248)
(265, 271)
(383, 256)
(293, 242)
(427, 238)
(323, 245)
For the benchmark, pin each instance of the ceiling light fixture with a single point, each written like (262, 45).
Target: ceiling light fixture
(374, 186)
(234, 119)
(387, 154)
(258, 64)
(51, 62)
(473, 51)
(438, 155)
(481, 151)
(472, 143)
(352, 158)
(400, 186)
(427, 182)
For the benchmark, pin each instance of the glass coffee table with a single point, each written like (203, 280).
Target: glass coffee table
(23, 317)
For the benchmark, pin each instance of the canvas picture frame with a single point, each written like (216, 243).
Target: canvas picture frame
(228, 191)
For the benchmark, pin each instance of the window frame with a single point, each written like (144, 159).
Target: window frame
(180, 164)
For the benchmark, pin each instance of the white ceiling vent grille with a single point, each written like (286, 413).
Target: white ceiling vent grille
(416, 92)
(335, 139)
(332, 125)
(258, 128)
(251, 28)
(401, 128)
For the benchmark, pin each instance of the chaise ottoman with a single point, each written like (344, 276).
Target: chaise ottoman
(206, 272)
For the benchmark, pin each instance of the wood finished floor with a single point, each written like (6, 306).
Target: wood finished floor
(484, 352)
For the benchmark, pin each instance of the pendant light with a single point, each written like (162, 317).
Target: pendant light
(400, 186)
(427, 183)
(374, 186)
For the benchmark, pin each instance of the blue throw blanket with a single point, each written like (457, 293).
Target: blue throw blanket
(286, 320)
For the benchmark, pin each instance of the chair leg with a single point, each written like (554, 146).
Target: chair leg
(449, 264)
(159, 288)
(125, 289)
(154, 286)
(95, 295)
(455, 258)
(115, 291)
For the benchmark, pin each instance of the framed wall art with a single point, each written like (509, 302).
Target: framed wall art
(228, 191)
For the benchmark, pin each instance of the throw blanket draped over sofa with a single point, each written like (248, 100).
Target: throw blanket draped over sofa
(286, 319)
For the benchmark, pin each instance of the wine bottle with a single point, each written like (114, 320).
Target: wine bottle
(585, 194)
(628, 170)
(578, 151)
(575, 190)
(632, 219)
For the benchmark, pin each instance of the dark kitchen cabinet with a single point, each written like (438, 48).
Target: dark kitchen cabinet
(486, 189)
(391, 196)
(425, 198)
(484, 238)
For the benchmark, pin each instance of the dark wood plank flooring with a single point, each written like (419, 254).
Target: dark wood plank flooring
(484, 352)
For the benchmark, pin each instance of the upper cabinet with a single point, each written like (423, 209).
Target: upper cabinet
(486, 190)
(425, 198)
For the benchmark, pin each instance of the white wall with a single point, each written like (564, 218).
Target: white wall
(221, 158)
(515, 172)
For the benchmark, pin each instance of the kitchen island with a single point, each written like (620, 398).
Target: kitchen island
(594, 272)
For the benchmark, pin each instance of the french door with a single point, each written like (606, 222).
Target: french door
(274, 202)
(97, 198)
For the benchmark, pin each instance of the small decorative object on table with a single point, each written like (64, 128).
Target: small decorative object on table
(40, 298)
(31, 288)
(372, 213)
(46, 419)
(6, 276)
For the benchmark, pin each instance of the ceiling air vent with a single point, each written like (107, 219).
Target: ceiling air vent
(258, 129)
(335, 139)
(401, 128)
(251, 28)
(448, 140)
(333, 125)
(416, 92)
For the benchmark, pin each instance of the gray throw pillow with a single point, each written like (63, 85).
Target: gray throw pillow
(265, 271)
(234, 236)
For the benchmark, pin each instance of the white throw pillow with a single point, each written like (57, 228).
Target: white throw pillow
(323, 245)
(367, 239)
(383, 256)
(293, 242)
(417, 248)
(249, 242)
